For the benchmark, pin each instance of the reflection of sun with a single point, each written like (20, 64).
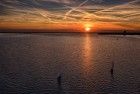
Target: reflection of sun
(88, 27)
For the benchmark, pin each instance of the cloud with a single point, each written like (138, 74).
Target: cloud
(70, 11)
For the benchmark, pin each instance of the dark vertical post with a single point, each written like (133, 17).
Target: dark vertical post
(59, 80)
(112, 68)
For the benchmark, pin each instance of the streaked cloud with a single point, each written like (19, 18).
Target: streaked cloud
(55, 11)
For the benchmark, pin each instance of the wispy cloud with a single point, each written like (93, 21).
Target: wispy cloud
(53, 11)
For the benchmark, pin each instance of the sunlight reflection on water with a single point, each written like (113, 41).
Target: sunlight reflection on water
(87, 50)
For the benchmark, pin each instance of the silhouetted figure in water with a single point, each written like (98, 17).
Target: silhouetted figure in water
(112, 69)
(59, 80)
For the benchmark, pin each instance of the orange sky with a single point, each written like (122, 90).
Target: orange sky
(70, 14)
(74, 26)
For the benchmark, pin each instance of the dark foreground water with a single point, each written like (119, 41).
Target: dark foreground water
(31, 63)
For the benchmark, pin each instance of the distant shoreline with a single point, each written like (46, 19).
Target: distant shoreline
(135, 33)
(103, 32)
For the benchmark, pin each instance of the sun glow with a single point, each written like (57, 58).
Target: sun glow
(88, 27)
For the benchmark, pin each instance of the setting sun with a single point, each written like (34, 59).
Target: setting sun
(88, 27)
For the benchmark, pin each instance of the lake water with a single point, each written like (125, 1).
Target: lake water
(31, 63)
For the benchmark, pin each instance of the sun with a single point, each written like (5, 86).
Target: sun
(88, 27)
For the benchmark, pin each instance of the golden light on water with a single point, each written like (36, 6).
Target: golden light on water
(87, 53)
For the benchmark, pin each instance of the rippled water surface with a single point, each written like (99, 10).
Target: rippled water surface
(31, 63)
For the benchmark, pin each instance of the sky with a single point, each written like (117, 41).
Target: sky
(70, 14)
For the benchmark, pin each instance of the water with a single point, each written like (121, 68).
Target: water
(31, 63)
